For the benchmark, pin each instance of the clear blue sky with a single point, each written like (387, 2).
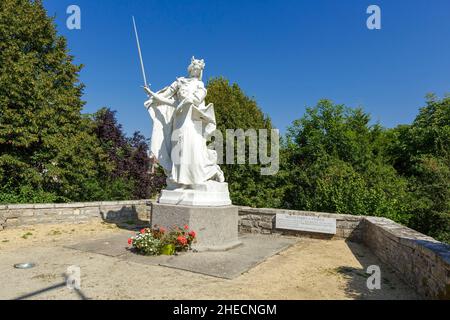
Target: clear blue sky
(285, 54)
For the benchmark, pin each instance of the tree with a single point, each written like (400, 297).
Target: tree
(139, 169)
(337, 163)
(129, 176)
(421, 153)
(46, 151)
(234, 110)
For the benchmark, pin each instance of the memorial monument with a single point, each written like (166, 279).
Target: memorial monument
(196, 194)
(182, 123)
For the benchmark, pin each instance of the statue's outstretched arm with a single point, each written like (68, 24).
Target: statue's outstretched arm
(169, 91)
(160, 97)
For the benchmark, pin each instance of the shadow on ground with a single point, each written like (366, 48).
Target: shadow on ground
(63, 284)
(358, 278)
(126, 218)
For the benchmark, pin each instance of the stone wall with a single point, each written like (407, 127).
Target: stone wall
(256, 220)
(29, 214)
(421, 261)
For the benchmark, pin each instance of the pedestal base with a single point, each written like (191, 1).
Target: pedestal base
(211, 193)
(216, 227)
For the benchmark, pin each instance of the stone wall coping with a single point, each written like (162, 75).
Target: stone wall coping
(72, 204)
(271, 211)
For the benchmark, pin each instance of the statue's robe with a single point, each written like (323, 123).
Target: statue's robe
(180, 133)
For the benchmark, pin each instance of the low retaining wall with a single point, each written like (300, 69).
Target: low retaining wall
(421, 261)
(29, 214)
(256, 220)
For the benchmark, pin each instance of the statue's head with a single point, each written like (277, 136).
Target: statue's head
(196, 68)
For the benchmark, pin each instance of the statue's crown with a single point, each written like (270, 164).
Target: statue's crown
(197, 62)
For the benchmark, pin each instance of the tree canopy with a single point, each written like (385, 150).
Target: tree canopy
(421, 153)
(336, 163)
(234, 110)
(46, 151)
(49, 150)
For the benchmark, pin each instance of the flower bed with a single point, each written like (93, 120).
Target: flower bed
(159, 240)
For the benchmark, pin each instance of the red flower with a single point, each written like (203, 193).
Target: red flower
(162, 230)
(186, 227)
(182, 240)
(192, 234)
(130, 241)
(143, 231)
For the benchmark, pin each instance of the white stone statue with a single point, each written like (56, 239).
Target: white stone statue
(182, 123)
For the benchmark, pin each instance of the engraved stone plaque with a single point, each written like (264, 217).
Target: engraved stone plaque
(306, 223)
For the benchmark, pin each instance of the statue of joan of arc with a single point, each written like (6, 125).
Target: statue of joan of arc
(182, 124)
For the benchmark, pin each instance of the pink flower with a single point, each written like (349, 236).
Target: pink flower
(182, 240)
(143, 231)
(186, 227)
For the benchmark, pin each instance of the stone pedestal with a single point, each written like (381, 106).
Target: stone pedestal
(210, 193)
(216, 227)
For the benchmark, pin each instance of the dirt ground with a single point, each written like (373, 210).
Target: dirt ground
(310, 269)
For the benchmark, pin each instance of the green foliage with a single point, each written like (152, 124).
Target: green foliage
(46, 150)
(336, 163)
(49, 151)
(430, 186)
(333, 160)
(421, 153)
(126, 175)
(26, 194)
(234, 110)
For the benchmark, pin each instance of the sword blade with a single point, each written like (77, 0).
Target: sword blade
(140, 53)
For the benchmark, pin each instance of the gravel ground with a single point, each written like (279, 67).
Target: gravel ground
(310, 269)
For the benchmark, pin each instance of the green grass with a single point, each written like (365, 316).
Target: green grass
(26, 235)
(54, 233)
